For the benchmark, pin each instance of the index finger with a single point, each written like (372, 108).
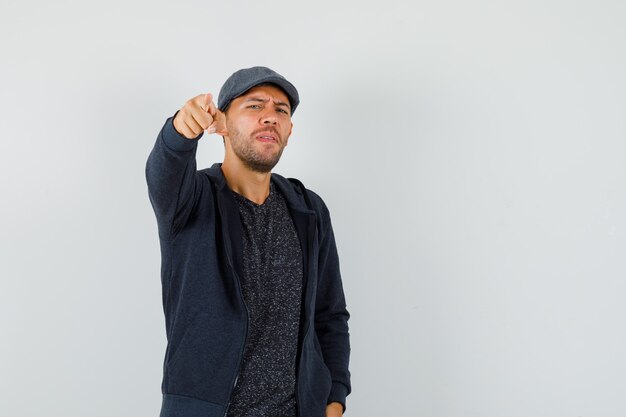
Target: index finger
(212, 109)
(204, 100)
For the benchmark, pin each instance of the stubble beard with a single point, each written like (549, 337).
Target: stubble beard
(244, 149)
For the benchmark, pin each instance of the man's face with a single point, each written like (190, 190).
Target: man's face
(259, 125)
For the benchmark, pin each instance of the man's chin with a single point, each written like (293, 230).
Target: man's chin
(262, 167)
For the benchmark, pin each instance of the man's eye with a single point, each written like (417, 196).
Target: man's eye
(283, 111)
(254, 106)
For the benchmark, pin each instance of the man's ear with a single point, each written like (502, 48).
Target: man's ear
(289, 135)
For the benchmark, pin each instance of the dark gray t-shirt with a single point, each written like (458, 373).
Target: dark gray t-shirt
(272, 289)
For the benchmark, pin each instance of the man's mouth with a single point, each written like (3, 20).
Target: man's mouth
(267, 137)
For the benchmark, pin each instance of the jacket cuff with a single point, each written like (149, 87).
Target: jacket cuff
(338, 393)
(174, 140)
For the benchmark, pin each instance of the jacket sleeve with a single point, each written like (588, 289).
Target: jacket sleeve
(173, 183)
(331, 315)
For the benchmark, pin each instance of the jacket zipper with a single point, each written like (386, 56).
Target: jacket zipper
(245, 339)
(243, 346)
(298, 405)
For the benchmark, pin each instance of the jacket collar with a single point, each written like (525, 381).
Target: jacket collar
(291, 192)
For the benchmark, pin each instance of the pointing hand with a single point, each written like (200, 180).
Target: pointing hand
(200, 114)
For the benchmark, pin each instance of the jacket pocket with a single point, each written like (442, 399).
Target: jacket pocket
(204, 363)
(176, 405)
(315, 380)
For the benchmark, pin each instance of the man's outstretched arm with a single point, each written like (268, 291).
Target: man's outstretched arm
(171, 166)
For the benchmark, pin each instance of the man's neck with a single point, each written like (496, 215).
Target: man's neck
(255, 186)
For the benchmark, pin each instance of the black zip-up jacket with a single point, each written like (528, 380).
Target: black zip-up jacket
(205, 314)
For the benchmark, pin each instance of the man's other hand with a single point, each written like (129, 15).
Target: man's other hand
(334, 410)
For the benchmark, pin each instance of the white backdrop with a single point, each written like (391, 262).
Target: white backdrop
(472, 153)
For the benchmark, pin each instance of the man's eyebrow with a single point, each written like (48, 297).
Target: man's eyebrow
(257, 99)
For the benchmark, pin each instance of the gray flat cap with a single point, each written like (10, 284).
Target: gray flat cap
(244, 79)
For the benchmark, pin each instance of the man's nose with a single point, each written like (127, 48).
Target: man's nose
(269, 118)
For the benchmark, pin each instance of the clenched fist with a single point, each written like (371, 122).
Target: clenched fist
(199, 114)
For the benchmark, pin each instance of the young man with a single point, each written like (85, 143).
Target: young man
(255, 314)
